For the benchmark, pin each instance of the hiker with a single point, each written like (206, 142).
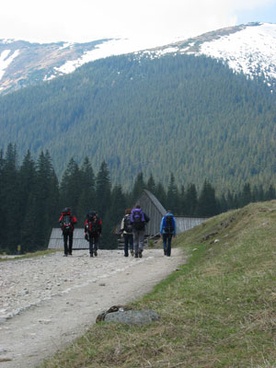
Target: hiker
(167, 231)
(92, 231)
(126, 230)
(67, 224)
(138, 220)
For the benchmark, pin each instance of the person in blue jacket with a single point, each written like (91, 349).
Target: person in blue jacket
(167, 231)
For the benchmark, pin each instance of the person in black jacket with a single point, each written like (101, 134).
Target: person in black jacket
(93, 230)
(126, 230)
(67, 224)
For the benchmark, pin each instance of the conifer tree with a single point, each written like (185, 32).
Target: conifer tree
(10, 200)
(139, 186)
(46, 199)
(207, 202)
(103, 202)
(246, 196)
(87, 195)
(151, 186)
(103, 189)
(172, 201)
(70, 187)
(27, 190)
(191, 200)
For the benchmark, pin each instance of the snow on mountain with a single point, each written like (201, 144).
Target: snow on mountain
(250, 49)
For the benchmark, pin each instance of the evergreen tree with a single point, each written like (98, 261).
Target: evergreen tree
(161, 193)
(103, 190)
(270, 194)
(172, 201)
(103, 203)
(46, 200)
(11, 219)
(87, 195)
(70, 187)
(151, 186)
(191, 200)
(27, 189)
(246, 196)
(207, 202)
(138, 187)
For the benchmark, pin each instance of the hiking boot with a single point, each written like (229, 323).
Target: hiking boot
(132, 253)
(140, 254)
(91, 254)
(65, 255)
(95, 253)
(136, 255)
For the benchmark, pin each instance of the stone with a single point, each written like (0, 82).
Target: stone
(131, 316)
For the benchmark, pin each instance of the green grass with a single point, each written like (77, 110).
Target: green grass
(4, 257)
(217, 310)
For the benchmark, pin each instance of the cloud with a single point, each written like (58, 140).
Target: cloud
(147, 20)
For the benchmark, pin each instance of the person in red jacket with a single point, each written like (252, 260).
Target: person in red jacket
(67, 224)
(93, 230)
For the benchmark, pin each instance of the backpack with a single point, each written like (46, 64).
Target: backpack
(169, 228)
(127, 224)
(138, 219)
(93, 225)
(66, 223)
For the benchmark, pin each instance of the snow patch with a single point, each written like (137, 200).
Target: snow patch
(6, 58)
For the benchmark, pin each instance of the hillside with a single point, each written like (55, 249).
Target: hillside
(217, 310)
(184, 113)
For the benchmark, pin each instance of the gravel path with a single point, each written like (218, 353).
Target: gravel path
(46, 302)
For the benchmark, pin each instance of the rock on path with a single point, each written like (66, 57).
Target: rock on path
(46, 302)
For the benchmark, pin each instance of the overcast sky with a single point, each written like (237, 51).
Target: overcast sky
(156, 21)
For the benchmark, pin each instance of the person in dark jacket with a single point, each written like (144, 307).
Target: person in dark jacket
(138, 219)
(93, 230)
(126, 230)
(167, 231)
(67, 224)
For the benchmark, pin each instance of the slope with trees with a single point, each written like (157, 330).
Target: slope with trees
(183, 114)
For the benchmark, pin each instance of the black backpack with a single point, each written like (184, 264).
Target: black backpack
(93, 223)
(127, 224)
(169, 228)
(66, 223)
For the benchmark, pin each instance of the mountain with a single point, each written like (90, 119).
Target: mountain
(249, 49)
(25, 64)
(203, 108)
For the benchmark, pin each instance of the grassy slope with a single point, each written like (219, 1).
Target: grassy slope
(218, 310)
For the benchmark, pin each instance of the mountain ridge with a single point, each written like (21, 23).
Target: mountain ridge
(25, 64)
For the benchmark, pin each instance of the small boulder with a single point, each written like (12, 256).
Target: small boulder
(124, 314)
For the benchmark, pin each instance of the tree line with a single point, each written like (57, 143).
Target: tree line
(32, 197)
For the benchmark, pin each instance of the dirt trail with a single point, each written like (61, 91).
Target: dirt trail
(46, 302)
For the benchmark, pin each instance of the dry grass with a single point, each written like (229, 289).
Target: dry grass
(218, 310)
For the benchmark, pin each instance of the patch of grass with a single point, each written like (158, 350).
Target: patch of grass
(27, 255)
(218, 310)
